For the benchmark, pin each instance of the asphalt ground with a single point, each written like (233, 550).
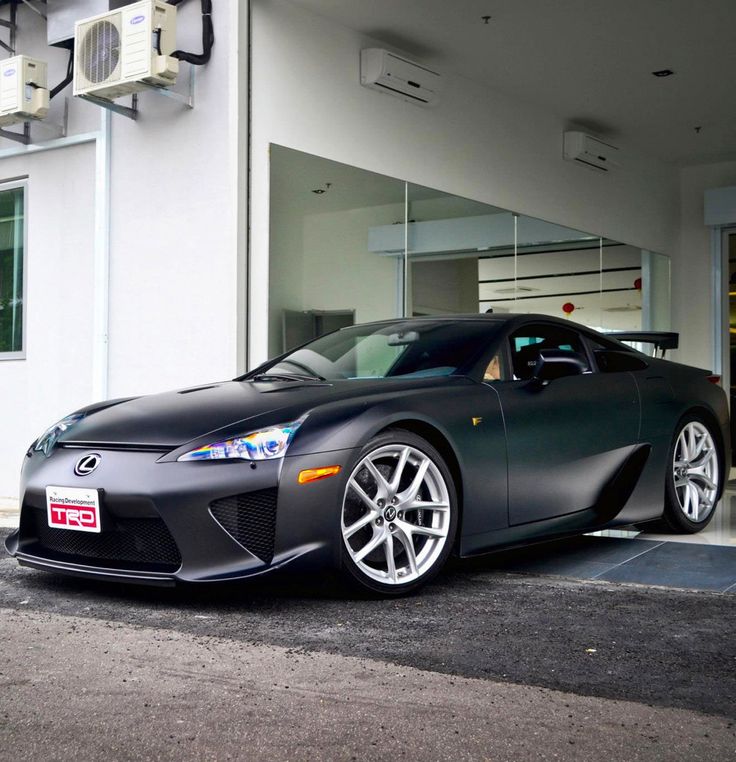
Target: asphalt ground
(481, 665)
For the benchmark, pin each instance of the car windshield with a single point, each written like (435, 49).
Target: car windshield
(410, 348)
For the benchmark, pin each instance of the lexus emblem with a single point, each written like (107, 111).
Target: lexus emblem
(87, 464)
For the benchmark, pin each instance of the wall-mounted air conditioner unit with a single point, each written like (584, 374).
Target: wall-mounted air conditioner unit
(23, 90)
(589, 151)
(399, 76)
(123, 51)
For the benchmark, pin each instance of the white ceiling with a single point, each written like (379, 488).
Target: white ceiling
(589, 61)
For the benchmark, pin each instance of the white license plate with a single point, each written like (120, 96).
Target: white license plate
(73, 508)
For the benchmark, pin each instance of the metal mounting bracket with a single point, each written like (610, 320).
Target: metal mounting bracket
(185, 98)
(131, 112)
(18, 137)
(55, 129)
(33, 7)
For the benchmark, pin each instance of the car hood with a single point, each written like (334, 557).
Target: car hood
(171, 419)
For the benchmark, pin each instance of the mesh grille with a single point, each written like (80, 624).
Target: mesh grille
(99, 52)
(250, 519)
(131, 543)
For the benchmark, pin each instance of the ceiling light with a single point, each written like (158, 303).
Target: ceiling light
(515, 290)
(663, 73)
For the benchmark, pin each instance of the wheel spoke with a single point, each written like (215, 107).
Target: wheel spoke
(361, 493)
(388, 546)
(700, 444)
(373, 543)
(427, 531)
(363, 521)
(694, 501)
(420, 505)
(704, 461)
(399, 470)
(406, 541)
(697, 476)
(410, 493)
(381, 483)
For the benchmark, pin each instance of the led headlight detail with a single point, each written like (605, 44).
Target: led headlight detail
(46, 442)
(266, 444)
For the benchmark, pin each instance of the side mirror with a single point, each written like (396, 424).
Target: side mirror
(557, 363)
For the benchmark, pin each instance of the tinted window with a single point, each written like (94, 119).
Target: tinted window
(410, 348)
(618, 361)
(529, 341)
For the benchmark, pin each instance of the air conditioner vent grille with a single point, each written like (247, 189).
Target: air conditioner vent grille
(99, 55)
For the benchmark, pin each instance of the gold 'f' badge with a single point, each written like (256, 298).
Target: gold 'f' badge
(477, 421)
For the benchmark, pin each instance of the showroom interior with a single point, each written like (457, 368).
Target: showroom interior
(292, 199)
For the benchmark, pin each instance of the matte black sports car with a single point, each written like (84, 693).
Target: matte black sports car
(378, 449)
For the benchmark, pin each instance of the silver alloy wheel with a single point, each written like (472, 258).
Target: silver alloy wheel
(395, 514)
(695, 471)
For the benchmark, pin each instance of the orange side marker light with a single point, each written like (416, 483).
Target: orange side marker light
(315, 474)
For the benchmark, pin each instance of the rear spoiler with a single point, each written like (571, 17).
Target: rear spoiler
(662, 340)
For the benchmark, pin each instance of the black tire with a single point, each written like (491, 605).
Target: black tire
(391, 518)
(680, 516)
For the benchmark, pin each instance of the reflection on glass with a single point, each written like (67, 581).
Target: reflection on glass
(323, 271)
(554, 271)
(352, 246)
(447, 235)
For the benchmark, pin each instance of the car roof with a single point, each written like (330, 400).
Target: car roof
(494, 317)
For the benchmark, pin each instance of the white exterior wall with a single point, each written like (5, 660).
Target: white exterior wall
(176, 241)
(56, 376)
(476, 143)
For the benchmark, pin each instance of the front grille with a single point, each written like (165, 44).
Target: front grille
(144, 544)
(249, 519)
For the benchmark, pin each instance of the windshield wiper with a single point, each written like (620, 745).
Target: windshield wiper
(285, 377)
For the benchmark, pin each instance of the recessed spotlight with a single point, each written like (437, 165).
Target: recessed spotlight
(515, 290)
(663, 73)
(318, 191)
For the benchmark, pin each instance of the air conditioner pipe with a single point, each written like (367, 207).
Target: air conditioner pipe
(208, 36)
(69, 75)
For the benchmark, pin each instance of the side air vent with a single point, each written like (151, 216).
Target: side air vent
(250, 519)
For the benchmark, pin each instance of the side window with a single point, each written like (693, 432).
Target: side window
(496, 369)
(12, 237)
(611, 358)
(526, 343)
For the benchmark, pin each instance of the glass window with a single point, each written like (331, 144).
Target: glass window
(11, 271)
(529, 341)
(418, 349)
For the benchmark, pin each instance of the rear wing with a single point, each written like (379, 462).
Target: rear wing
(661, 340)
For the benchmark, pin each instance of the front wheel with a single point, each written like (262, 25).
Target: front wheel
(399, 514)
(694, 476)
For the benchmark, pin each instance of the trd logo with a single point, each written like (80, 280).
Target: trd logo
(71, 516)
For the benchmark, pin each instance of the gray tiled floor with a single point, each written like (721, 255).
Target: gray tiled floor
(646, 562)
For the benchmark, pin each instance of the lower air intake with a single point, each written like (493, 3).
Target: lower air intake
(250, 519)
(144, 544)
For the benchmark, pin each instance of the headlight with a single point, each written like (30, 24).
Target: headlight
(266, 444)
(45, 443)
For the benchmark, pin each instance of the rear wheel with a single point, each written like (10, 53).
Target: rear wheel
(694, 476)
(399, 514)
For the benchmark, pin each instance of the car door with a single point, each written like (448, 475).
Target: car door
(568, 437)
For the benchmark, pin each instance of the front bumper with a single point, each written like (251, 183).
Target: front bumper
(167, 522)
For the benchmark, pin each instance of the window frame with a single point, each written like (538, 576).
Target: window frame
(21, 353)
